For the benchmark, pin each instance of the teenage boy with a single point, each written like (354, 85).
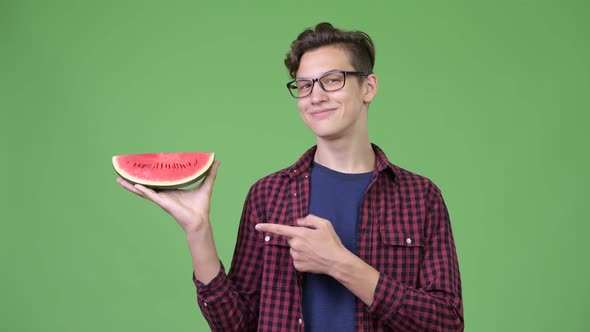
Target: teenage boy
(342, 240)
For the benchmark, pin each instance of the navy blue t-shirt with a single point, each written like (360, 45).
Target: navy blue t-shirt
(327, 304)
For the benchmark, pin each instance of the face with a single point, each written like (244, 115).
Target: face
(335, 114)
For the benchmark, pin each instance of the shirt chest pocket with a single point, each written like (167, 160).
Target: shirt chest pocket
(401, 253)
(278, 264)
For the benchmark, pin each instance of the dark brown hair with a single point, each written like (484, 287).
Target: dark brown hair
(358, 44)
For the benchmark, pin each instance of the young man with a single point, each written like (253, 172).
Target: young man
(342, 240)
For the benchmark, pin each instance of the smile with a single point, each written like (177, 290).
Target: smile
(321, 112)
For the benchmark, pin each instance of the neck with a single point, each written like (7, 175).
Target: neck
(352, 155)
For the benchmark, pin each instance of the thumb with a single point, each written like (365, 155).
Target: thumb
(212, 175)
(311, 221)
(209, 179)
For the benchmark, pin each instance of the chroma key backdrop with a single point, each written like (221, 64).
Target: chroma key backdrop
(489, 99)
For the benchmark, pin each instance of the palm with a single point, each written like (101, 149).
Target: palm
(186, 205)
(189, 207)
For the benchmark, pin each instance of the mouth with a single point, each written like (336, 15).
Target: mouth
(321, 112)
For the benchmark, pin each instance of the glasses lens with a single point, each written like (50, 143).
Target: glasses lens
(301, 88)
(332, 81)
(293, 89)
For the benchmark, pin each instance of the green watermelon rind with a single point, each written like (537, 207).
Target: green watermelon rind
(161, 185)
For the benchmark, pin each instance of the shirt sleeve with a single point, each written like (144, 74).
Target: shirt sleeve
(229, 302)
(436, 304)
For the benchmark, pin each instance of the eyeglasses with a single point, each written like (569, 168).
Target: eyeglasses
(330, 81)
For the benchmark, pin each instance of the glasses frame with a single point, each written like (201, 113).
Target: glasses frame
(317, 79)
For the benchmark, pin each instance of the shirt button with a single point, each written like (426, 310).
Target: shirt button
(267, 238)
(294, 194)
(409, 241)
(300, 320)
(204, 303)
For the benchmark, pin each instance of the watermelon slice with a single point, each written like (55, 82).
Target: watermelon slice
(164, 170)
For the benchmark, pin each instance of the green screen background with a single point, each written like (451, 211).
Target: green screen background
(489, 99)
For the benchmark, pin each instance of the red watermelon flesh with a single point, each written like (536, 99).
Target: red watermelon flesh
(164, 170)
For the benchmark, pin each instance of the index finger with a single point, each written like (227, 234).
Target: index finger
(277, 229)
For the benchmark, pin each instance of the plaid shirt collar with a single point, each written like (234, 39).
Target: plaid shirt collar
(303, 165)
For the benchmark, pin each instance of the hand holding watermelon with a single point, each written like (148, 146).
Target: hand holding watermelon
(189, 207)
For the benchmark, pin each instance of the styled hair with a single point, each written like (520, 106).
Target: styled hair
(357, 44)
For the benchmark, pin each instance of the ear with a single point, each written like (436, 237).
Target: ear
(371, 87)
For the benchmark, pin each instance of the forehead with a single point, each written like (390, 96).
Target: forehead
(320, 60)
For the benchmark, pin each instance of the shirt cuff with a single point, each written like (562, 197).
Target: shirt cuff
(211, 292)
(388, 298)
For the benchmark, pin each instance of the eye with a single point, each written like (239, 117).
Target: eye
(304, 85)
(333, 79)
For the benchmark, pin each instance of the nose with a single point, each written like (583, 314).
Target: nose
(318, 94)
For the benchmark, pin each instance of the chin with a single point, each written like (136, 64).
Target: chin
(326, 133)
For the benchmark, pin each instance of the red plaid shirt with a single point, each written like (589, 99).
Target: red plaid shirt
(404, 232)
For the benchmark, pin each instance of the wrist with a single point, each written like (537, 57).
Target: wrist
(199, 232)
(341, 263)
(200, 224)
(356, 275)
